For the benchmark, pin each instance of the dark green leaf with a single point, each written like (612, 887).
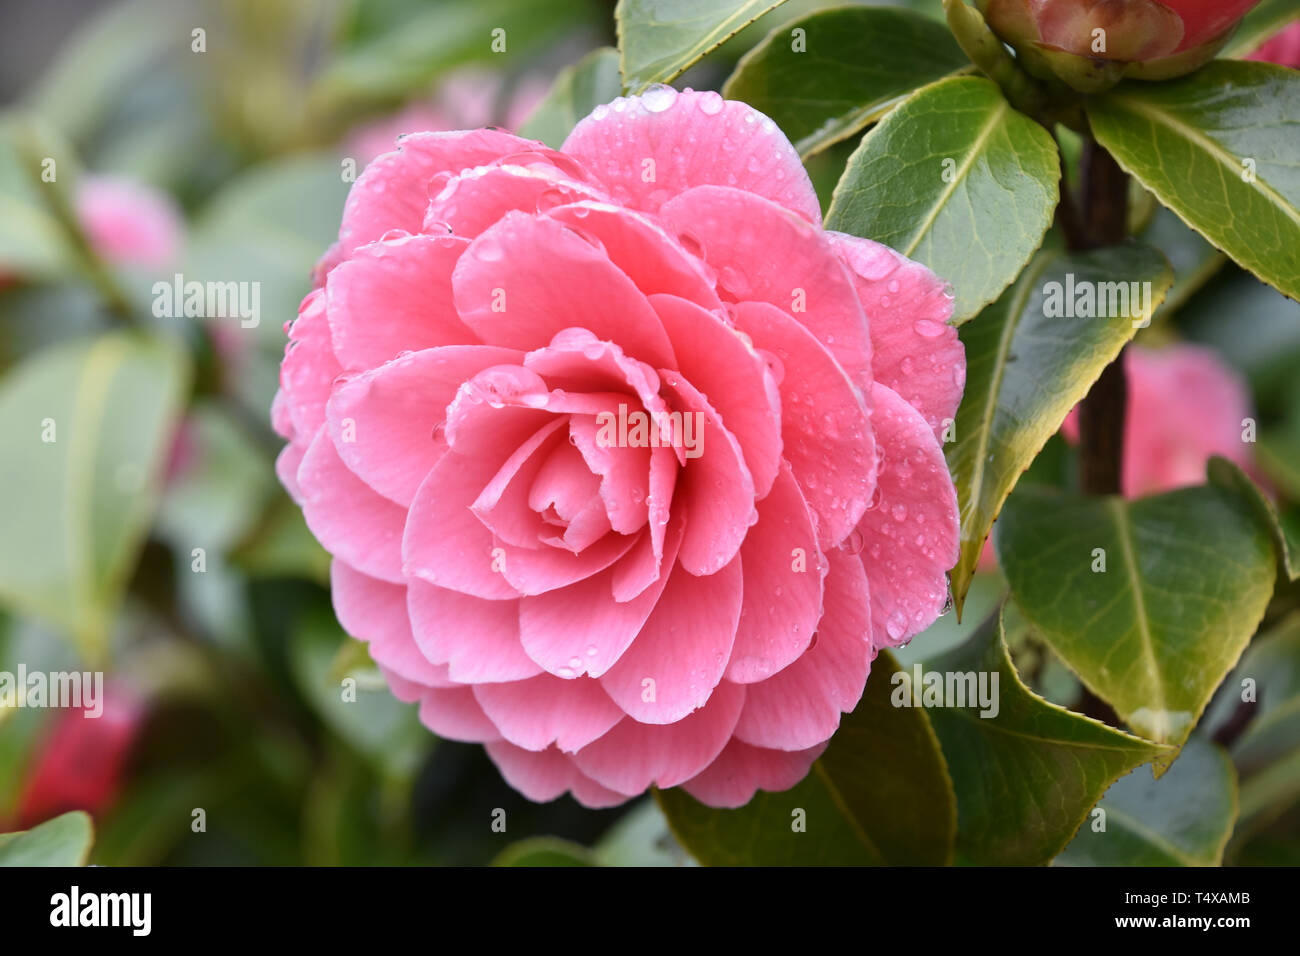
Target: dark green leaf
(1187, 577)
(576, 92)
(1182, 819)
(848, 68)
(1229, 475)
(1218, 148)
(544, 851)
(958, 180)
(879, 794)
(1026, 777)
(1025, 370)
(660, 39)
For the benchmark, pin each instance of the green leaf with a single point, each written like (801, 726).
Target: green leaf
(880, 794)
(958, 180)
(660, 39)
(1187, 577)
(76, 508)
(269, 227)
(1218, 148)
(33, 242)
(1026, 777)
(1194, 260)
(1223, 472)
(853, 65)
(408, 54)
(1025, 370)
(1261, 23)
(283, 546)
(640, 838)
(544, 851)
(63, 841)
(376, 724)
(1182, 819)
(576, 92)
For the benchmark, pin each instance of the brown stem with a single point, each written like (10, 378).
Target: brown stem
(1102, 221)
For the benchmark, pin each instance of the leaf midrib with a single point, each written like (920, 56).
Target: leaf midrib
(1212, 148)
(1119, 514)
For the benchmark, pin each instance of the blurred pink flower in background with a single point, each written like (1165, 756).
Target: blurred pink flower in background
(605, 613)
(129, 223)
(1184, 405)
(1283, 48)
(467, 99)
(81, 762)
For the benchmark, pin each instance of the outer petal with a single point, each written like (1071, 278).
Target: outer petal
(455, 714)
(350, 520)
(476, 638)
(783, 586)
(638, 245)
(689, 139)
(762, 253)
(375, 611)
(545, 710)
(477, 198)
(392, 192)
(543, 776)
(394, 296)
(740, 770)
(800, 707)
(910, 537)
(683, 648)
(633, 755)
(915, 351)
(527, 278)
(827, 437)
(309, 367)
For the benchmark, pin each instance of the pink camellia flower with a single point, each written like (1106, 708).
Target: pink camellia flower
(128, 223)
(81, 763)
(1078, 39)
(1184, 405)
(1283, 48)
(628, 467)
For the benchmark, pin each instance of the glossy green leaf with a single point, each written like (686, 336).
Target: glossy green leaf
(1229, 475)
(63, 841)
(958, 180)
(1261, 23)
(1026, 777)
(544, 851)
(1218, 148)
(86, 427)
(880, 794)
(850, 67)
(1187, 577)
(660, 39)
(1182, 819)
(577, 90)
(1027, 365)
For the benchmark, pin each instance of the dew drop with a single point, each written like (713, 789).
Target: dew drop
(658, 98)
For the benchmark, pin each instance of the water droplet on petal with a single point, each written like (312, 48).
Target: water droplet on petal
(658, 98)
